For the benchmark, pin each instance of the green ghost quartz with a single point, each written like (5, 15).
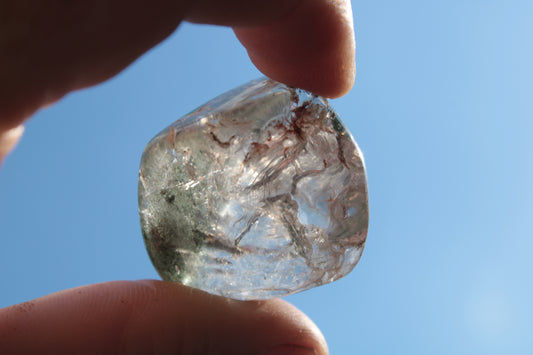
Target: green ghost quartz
(259, 193)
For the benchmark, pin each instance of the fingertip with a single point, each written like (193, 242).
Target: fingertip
(310, 336)
(312, 48)
(227, 325)
(332, 78)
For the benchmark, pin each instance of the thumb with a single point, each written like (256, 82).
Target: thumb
(155, 317)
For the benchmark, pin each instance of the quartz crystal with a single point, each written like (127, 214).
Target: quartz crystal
(259, 193)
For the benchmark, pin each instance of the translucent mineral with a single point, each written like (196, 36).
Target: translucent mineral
(259, 193)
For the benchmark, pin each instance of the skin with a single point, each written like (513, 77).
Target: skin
(50, 48)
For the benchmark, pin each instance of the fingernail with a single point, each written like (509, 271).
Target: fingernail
(9, 139)
(289, 349)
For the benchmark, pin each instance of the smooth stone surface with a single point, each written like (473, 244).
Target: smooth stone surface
(259, 193)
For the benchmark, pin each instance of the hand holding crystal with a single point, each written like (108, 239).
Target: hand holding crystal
(47, 51)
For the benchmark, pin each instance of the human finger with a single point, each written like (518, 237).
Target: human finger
(155, 317)
(311, 45)
(9, 139)
(50, 48)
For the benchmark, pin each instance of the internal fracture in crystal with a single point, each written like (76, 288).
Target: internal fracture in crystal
(259, 193)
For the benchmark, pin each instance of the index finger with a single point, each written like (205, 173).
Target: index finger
(311, 45)
(50, 48)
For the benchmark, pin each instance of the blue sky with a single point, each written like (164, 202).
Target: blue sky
(442, 109)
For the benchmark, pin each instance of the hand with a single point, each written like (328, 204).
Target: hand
(50, 48)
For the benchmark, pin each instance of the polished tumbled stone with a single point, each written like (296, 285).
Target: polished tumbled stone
(259, 193)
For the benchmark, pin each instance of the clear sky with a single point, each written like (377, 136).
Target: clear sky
(442, 109)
